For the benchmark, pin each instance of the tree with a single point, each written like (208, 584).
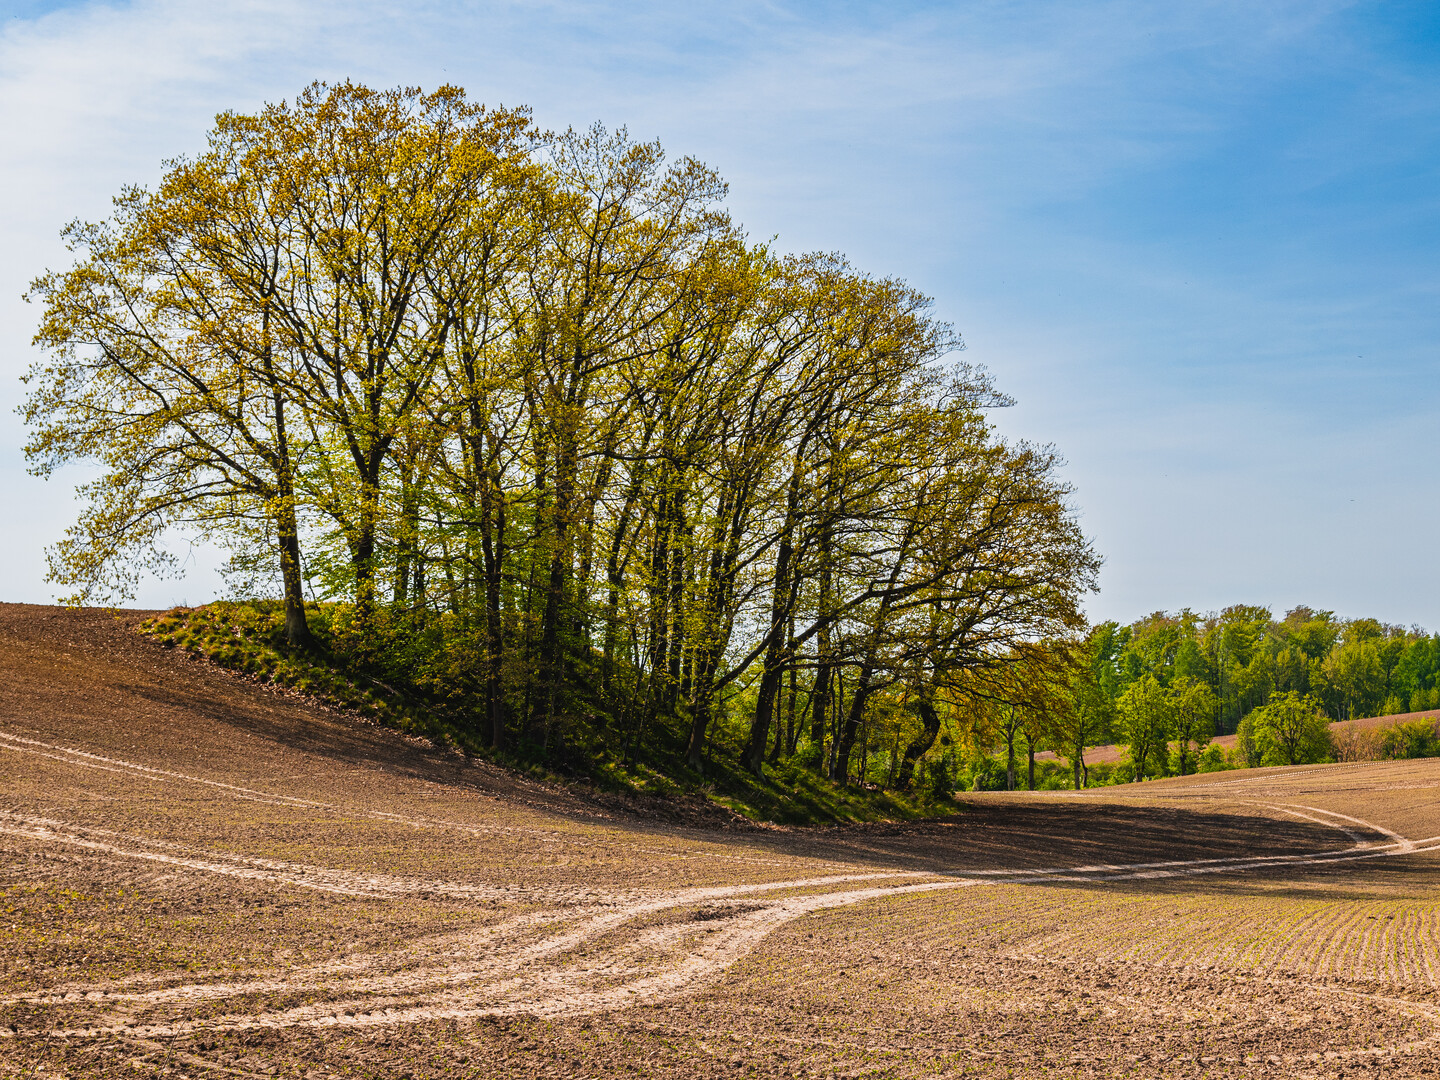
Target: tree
(379, 189)
(1289, 729)
(1193, 707)
(260, 324)
(1146, 721)
(1085, 712)
(1018, 697)
(1353, 678)
(167, 370)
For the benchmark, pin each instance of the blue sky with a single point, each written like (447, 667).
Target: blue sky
(1197, 242)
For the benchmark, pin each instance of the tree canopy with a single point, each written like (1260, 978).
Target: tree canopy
(579, 460)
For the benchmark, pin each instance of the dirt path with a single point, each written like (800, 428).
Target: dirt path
(203, 876)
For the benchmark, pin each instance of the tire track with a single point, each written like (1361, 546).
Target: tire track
(548, 963)
(371, 886)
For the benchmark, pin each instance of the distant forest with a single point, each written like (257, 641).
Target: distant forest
(1350, 667)
(1164, 686)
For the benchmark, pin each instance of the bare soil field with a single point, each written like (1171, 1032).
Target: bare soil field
(201, 876)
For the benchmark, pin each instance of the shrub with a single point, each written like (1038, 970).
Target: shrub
(809, 756)
(981, 772)
(1103, 775)
(1409, 739)
(1422, 700)
(1214, 759)
(1356, 744)
(1053, 776)
(939, 782)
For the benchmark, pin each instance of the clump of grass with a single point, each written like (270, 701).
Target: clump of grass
(250, 638)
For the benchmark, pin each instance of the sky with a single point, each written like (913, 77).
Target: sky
(1199, 243)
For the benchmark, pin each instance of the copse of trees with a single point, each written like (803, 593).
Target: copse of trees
(578, 462)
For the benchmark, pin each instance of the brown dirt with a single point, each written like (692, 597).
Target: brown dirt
(201, 876)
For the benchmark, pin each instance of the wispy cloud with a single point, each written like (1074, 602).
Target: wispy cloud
(1193, 238)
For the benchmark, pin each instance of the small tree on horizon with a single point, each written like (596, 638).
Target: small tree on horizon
(1193, 717)
(1289, 730)
(1146, 719)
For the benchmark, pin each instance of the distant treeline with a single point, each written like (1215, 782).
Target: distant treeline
(1165, 685)
(1349, 667)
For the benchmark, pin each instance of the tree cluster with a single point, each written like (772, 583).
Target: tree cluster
(580, 461)
(1288, 730)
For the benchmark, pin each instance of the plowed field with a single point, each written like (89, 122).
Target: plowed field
(203, 877)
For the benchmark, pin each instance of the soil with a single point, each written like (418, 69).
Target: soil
(203, 876)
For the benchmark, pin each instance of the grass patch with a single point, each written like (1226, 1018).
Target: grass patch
(250, 639)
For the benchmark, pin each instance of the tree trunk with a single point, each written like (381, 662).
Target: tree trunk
(781, 730)
(1010, 748)
(363, 562)
(418, 602)
(676, 603)
(820, 707)
(712, 636)
(701, 705)
(566, 472)
(702, 694)
(858, 700)
(614, 578)
(777, 741)
(764, 708)
(780, 602)
(790, 732)
(407, 540)
(493, 553)
(658, 588)
(820, 700)
(836, 709)
(863, 687)
(297, 629)
(921, 744)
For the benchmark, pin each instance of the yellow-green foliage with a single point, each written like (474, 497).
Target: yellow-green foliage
(249, 638)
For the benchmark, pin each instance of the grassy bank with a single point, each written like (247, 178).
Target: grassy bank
(248, 638)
